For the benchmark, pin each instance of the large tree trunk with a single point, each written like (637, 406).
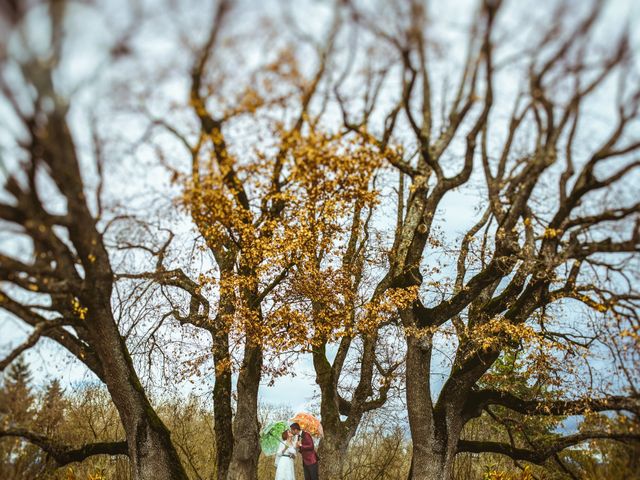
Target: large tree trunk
(430, 460)
(435, 431)
(222, 389)
(433, 458)
(432, 466)
(337, 432)
(151, 453)
(222, 412)
(332, 449)
(333, 455)
(246, 429)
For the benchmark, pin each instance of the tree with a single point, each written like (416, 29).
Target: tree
(17, 397)
(291, 177)
(608, 458)
(17, 404)
(288, 253)
(52, 410)
(531, 255)
(68, 274)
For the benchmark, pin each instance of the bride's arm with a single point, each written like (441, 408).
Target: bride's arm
(279, 453)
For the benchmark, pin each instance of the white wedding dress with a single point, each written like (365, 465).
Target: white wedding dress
(285, 462)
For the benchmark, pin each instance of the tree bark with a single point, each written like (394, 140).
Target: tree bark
(420, 410)
(333, 454)
(337, 432)
(151, 453)
(431, 466)
(332, 449)
(246, 428)
(434, 433)
(222, 412)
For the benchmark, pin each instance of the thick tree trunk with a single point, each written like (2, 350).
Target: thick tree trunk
(332, 449)
(222, 389)
(433, 466)
(419, 404)
(222, 412)
(246, 429)
(430, 460)
(333, 454)
(337, 432)
(435, 432)
(433, 459)
(151, 453)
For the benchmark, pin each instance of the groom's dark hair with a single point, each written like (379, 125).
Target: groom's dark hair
(294, 426)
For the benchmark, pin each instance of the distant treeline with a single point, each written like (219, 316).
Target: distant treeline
(86, 415)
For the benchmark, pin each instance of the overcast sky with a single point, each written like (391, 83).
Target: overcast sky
(133, 174)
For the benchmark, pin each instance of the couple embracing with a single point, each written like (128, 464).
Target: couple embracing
(296, 440)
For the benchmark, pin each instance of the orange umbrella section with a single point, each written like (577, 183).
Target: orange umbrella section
(309, 423)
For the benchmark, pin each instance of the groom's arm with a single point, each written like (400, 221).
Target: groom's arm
(307, 443)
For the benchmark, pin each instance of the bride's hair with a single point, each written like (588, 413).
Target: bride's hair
(285, 435)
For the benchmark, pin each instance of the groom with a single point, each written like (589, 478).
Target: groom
(308, 452)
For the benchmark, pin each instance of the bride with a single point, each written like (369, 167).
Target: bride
(285, 457)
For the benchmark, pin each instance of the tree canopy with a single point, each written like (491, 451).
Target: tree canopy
(438, 212)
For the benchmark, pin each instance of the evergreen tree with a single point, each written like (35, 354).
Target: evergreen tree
(17, 398)
(52, 409)
(18, 458)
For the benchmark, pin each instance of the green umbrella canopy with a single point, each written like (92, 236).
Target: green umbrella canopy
(271, 437)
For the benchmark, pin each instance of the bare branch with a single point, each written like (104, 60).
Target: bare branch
(65, 454)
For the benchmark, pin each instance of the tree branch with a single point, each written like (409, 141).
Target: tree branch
(64, 454)
(539, 456)
(480, 399)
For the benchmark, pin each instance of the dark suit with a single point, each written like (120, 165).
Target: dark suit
(309, 457)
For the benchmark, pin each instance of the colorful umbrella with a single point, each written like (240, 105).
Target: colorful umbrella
(271, 437)
(309, 423)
